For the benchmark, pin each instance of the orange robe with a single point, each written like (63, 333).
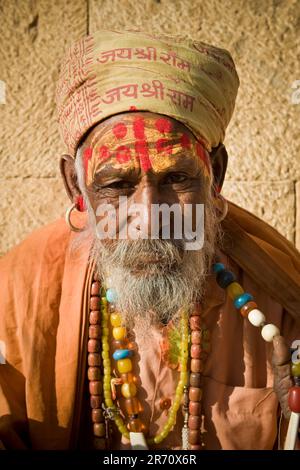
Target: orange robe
(44, 293)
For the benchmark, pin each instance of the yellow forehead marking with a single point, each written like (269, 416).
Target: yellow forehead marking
(149, 144)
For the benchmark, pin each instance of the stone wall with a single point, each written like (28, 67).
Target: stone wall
(263, 139)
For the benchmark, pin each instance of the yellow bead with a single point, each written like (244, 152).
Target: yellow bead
(124, 365)
(234, 290)
(296, 369)
(115, 319)
(164, 434)
(109, 402)
(119, 332)
(105, 332)
(128, 390)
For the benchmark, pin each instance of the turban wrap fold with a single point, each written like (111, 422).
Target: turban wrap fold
(111, 72)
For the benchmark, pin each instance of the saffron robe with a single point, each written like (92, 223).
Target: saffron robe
(44, 295)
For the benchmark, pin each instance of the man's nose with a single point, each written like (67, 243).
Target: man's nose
(148, 197)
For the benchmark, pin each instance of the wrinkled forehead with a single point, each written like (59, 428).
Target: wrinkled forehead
(141, 140)
(136, 125)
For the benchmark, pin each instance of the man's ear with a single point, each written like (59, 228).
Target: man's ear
(68, 173)
(219, 159)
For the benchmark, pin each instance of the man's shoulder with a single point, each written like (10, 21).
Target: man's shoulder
(44, 245)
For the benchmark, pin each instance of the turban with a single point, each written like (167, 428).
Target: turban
(111, 72)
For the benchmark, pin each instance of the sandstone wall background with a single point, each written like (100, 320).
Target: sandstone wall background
(263, 139)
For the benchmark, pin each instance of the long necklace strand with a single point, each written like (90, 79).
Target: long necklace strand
(124, 366)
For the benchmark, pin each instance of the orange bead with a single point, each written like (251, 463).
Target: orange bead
(95, 317)
(97, 416)
(247, 308)
(95, 331)
(195, 408)
(196, 365)
(165, 403)
(194, 422)
(95, 303)
(195, 379)
(294, 399)
(94, 345)
(94, 373)
(196, 351)
(196, 337)
(195, 394)
(194, 437)
(94, 359)
(95, 289)
(132, 406)
(99, 429)
(195, 323)
(95, 401)
(128, 377)
(95, 387)
(118, 344)
(135, 425)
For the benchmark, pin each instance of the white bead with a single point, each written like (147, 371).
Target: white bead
(269, 331)
(256, 317)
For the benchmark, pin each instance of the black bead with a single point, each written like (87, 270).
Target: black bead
(224, 278)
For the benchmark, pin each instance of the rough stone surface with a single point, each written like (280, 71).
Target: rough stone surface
(34, 35)
(272, 202)
(298, 215)
(26, 204)
(263, 138)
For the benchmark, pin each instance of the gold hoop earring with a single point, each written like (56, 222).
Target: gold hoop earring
(222, 207)
(68, 219)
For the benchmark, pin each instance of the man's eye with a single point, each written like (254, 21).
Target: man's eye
(176, 178)
(119, 185)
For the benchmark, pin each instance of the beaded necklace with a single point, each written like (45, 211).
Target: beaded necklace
(102, 392)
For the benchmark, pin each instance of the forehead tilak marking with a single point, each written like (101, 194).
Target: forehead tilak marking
(123, 153)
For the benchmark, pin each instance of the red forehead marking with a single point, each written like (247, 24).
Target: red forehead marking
(132, 108)
(139, 128)
(163, 125)
(120, 130)
(142, 152)
(202, 154)
(123, 154)
(104, 153)
(163, 146)
(87, 155)
(141, 146)
(185, 141)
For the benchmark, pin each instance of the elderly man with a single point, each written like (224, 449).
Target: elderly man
(137, 340)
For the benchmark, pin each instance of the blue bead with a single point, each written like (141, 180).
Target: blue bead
(224, 278)
(218, 267)
(122, 354)
(111, 295)
(241, 300)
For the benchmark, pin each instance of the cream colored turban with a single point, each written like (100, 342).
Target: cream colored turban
(111, 72)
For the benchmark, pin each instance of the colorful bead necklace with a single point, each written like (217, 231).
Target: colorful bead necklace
(243, 301)
(122, 356)
(102, 313)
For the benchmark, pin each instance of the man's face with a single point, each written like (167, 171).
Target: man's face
(148, 159)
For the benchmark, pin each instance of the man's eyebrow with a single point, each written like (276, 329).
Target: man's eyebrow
(112, 172)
